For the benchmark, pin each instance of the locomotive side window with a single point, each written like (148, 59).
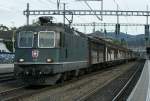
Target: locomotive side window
(46, 39)
(25, 39)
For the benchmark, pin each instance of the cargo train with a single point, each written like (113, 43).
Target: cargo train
(51, 52)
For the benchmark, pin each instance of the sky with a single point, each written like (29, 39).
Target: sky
(11, 12)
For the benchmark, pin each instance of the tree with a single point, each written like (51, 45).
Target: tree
(3, 28)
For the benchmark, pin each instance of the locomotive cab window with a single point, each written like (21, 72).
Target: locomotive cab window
(25, 39)
(46, 39)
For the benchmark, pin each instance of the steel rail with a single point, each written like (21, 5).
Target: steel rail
(10, 91)
(118, 95)
(6, 76)
(127, 84)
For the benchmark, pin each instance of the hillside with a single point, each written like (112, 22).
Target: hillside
(133, 41)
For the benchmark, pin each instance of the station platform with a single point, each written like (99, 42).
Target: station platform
(141, 91)
(6, 68)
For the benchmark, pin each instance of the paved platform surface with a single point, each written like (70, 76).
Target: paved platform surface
(4, 68)
(6, 65)
(141, 92)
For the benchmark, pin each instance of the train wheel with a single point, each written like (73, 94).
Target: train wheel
(64, 77)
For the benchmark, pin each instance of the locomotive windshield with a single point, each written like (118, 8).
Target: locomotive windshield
(46, 39)
(25, 39)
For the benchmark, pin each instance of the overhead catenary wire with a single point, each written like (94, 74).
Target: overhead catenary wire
(51, 1)
(119, 8)
(92, 10)
(94, 14)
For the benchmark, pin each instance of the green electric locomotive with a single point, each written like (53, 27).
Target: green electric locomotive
(47, 52)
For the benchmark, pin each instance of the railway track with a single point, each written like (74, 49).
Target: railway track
(9, 94)
(120, 88)
(126, 90)
(74, 90)
(79, 90)
(23, 91)
(6, 76)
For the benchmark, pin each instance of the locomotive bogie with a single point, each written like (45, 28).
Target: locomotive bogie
(46, 72)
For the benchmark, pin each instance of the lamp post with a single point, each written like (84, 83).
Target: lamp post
(13, 40)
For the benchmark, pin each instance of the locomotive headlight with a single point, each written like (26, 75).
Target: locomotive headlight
(49, 60)
(27, 73)
(40, 73)
(21, 60)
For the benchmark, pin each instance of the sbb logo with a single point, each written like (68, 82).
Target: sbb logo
(35, 53)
